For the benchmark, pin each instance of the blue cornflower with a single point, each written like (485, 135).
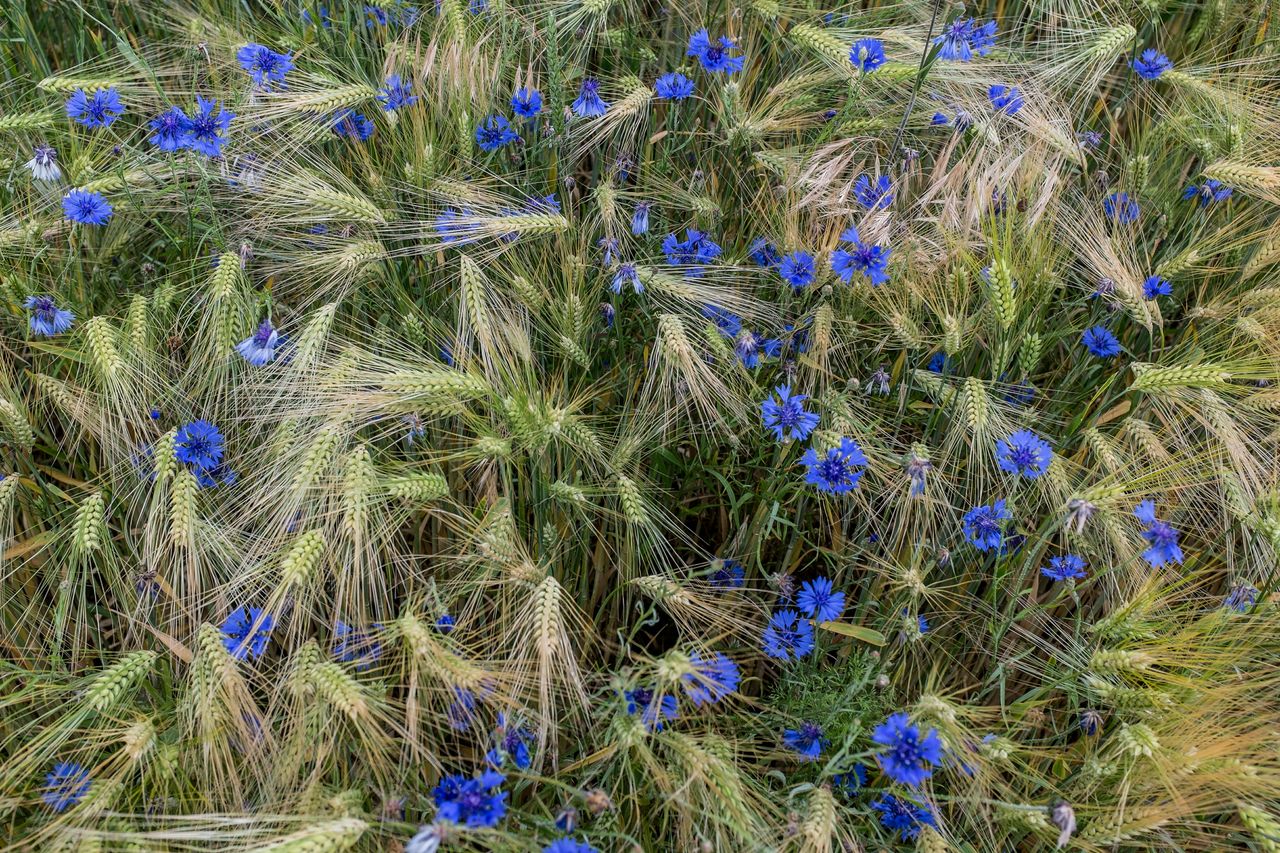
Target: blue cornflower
(903, 816)
(939, 119)
(714, 55)
(908, 758)
(674, 86)
(819, 601)
(607, 313)
(260, 347)
(207, 127)
(526, 103)
(1099, 341)
(1066, 567)
(873, 197)
(85, 207)
(626, 274)
(1161, 536)
(727, 574)
(653, 714)
(1151, 64)
(787, 636)
(984, 525)
(609, 245)
(395, 93)
(963, 38)
(920, 623)
(351, 645)
(711, 680)
(763, 253)
(809, 740)
(852, 782)
(838, 471)
(786, 415)
(264, 65)
(797, 269)
(97, 110)
(1090, 721)
(1120, 208)
(588, 102)
(172, 128)
(696, 248)
(512, 745)
(198, 444)
(1210, 191)
(1241, 597)
(47, 319)
(1155, 287)
(246, 632)
(867, 259)
(569, 845)
(476, 802)
(65, 785)
(640, 218)
(940, 362)
(351, 124)
(749, 347)
(1024, 453)
(867, 55)
(1005, 99)
(445, 624)
(727, 322)
(495, 132)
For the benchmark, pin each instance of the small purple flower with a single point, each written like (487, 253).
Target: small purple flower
(1101, 342)
(1120, 208)
(786, 415)
(526, 103)
(787, 636)
(47, 319)
(984, 526)
(396, 93)
(907, 758)
(1155, 287)
(797, 269)
(1005, 99)
(839, 471)
(1160, 535)
(264, 65)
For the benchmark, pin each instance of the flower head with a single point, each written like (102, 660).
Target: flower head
(569, 845)
(351, 645)
(1005, 99)
(1207, 193)
(696, 248)
(715, 56)
(673, 86)
(1066, 567)
(873, 196)
(871, 261)
(65, 785)
(728, 323)
(625, 275)
(352, 125)
(87, 208)
(1162, 537)
(206, 128)
(710, 679)
(867, 54)
(526, 103)
(907, 758)
(838, 471)
(749, 346)
(472, 802)
(797, 269)
(726, 574)
(640, 218)
(984, 525)
(589, 103)
(1024, 453)
(260, 347)
(198, 444)
(396, 93)
(654, 711)
(961, 40)
(1101, 342)
(786, 415)
(512, 745)
(819, 601)
(809, 740)
(246, 632)
(787, 636)
(1120, 208)
(1155, 287)
(97, 110)
(264, 65)
(43, 164)
(170, 129)
(1241, 597)
(902, 815)
(1151, 64)
(495, 132)
(47, 319)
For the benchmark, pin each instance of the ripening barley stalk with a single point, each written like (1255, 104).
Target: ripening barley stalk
(577, 425)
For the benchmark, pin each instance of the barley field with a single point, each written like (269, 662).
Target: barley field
(600, 425)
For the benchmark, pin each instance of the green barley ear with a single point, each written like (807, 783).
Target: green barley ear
(163, 456)
(821, 820)
(314, 334)
(101, 337)
(418, 488)
(27, 122)
(111, 686)
(1029, 353)
(952, 334)
(224, 302)
(16, 427)
(1111, 43)
(318, 458)
(633, 508)
(299, 564)
(834, 50)
(90, 528)
(136, 325)
(359, 481)
(1179, 263)
(1262, 826)
(333, 836)
(182, 509)
(66, 84)
(1001, 294)
(1155, 378)
(1262, 181)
